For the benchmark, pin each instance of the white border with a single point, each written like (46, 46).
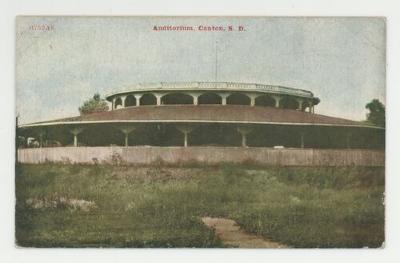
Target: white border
(9, 9)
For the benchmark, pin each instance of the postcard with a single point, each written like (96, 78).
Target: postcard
(200, 132)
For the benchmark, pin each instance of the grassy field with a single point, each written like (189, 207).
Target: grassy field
(127, 206)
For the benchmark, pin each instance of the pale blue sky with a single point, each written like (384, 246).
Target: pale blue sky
(341, 60)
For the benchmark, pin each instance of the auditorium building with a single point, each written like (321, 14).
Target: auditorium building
(213, 116)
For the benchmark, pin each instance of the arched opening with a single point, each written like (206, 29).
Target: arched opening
(148, 99)
(177, 98)
(210, 98)
(289, 103)
(238, 99)
(130, 101)
(265, 100)
(118, 103)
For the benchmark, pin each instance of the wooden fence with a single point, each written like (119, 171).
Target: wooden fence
(204, 155)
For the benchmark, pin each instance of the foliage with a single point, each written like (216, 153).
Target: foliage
(376, 113)
(161, 206)
(95, 104)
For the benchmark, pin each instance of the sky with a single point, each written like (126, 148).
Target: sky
(341, 60)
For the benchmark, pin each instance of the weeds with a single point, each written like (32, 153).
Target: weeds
(161, 206)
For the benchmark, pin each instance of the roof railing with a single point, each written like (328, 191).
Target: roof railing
(216, 85)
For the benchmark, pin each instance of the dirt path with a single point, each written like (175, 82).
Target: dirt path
(231, 234)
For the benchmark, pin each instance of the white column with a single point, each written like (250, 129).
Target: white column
(277, 100)
(185, 143)
(123, 98)
(252, 100)
(302, 140)
(244, 131)
(223, 97)
(126, 131)
(113, 103)
(76, 131)
(158, 96)
(185, 129)
(195, 99)
(137, 98)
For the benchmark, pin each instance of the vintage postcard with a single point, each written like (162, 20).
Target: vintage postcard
(200, 132)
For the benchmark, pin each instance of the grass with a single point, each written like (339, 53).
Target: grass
(161, 206)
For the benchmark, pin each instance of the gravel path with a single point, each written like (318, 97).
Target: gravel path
(233, 236)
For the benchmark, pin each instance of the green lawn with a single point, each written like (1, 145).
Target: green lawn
(127, 206)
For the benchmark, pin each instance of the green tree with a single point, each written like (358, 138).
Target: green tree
(376, 113)
(95, 104)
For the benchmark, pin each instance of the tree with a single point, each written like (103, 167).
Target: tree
(95, 104)
(376, 113)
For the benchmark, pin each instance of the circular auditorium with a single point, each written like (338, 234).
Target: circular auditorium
(207, 114)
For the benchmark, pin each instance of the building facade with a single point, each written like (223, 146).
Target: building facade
(210, 114)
